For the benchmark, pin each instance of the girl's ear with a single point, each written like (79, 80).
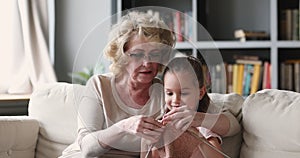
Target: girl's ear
(202, 92)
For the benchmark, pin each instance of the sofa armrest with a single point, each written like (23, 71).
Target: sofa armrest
(18, 136)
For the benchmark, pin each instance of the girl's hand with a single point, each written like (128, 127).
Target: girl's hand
(180, 117)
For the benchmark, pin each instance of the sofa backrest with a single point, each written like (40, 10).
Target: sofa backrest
(233, 103)
(55, 107)
(271, 125)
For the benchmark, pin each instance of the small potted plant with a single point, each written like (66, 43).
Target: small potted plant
(81, 77)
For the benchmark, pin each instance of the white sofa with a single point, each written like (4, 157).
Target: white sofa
(270, 120)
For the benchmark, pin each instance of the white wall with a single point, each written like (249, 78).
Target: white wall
(75, 19)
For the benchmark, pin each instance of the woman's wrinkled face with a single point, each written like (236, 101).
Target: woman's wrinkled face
(180, 89)
(144, 58)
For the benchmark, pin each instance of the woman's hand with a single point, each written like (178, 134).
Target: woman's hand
(180, 117)
(143, 126)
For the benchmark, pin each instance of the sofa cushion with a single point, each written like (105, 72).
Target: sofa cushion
(271, 125)
(233, 103)
(18, 136)
(55, 107)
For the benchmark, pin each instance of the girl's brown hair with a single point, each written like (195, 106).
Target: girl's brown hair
(192, 65)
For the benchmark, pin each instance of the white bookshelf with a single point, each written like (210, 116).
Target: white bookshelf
(247, 14)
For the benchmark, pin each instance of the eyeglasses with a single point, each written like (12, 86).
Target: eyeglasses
(140, 56)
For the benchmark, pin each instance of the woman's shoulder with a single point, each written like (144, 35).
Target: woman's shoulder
(100, 80)
(101, 77)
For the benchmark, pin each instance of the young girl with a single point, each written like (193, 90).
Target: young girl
(185, 89)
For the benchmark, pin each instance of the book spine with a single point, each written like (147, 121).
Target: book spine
(240, 79)
(289, 24)
(289, 76)
(247, 80)
(267, 76)
(229, 69)
(235, 77)
(295, 24)
(282, 76)
(255, 79)
(177, 26)
(297, 77)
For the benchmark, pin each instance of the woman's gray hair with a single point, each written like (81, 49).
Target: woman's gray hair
(131, 24)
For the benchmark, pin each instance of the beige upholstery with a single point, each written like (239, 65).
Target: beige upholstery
(270, 121)
(233, 102)
(271, 125)
(55, 107)
(18, 136)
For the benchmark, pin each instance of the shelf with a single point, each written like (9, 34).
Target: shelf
(220, 19)
(234, 44)
(237, 44)
(11, 104)
(288, 44)
(12, 97)
(224, 45)
(184, 45)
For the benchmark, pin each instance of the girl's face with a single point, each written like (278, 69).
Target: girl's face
(144, 58)
(181, 89)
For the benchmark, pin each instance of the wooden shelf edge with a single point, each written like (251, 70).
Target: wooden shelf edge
(223, 45)
(11, 97)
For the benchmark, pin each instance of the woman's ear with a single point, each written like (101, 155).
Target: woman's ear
(202, 92)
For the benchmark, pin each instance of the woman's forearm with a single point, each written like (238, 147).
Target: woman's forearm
(99, 142)
(116, 136)
(90, 144)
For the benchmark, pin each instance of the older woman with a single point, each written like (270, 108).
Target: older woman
(121, 107)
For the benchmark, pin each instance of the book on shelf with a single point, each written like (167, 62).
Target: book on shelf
(297, 76)
(182, 25)
(289, 24)
(177, 26)
(295, 24)
(229, 76)
(234, 77)
(266, 76)
(282, 75)
(248, 72)
(188, 25)
(244, 35)
(290, 75)
(245, 57)
(218, 82)
(245, 75)
(253, 62)
(256, 78)
(240, 79)
(252, 71)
